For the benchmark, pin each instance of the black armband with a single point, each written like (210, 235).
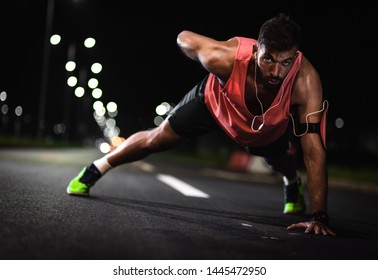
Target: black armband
(320, 217)
(309, 128)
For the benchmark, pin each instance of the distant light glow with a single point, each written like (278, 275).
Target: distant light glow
(101, 120)
(89, 42)
(55, 39)
(116, 141)
(18, 111)
(72, 81)
(59, 128)
(163, 109)
(167, 106)
(96, 93)
(70, 66)
(4, 109)
(79, 91)
(98, 105)
(113, 114)
(104, 148)
(160, 110)
(111, 132)
(110, 123)
(339, 122)
(3, 96)
(99, 108)
(93, 83)
(158, 120)
(101, 111)
(111, 107)
(96, 68)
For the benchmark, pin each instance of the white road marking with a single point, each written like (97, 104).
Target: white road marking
(246, 225)
(181, 186)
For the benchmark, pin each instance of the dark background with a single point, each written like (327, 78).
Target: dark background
(142, 65)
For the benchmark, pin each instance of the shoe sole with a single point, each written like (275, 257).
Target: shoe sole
(294, 212)
(75, 193)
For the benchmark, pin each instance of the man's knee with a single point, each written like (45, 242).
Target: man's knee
(162, 137)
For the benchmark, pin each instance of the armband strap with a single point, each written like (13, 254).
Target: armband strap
(320, 128)
(309, 128)
(320, 217)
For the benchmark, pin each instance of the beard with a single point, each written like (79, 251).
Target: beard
(272, 83)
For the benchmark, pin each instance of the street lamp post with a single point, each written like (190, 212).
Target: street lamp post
(68, 95)
(45, 66)
(95, 68)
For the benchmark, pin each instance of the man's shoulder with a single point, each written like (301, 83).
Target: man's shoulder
(245, 46)
(307, 81)
(306, 68)
(246, 40)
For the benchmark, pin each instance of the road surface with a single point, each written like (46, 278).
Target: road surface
(159, 209)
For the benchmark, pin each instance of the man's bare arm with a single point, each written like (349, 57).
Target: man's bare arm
(217, 57)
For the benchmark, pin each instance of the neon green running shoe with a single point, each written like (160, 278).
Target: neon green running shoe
(294, 200)
(81, 184)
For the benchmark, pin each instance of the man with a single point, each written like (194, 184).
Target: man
(257, 92)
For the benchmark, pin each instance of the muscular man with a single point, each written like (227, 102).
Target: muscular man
(258, 92)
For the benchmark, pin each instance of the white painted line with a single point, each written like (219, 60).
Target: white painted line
(246, 225)
(181, 186)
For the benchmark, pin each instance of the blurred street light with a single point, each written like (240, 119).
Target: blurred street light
(72, 81)
(79, 92)
(89, 43)
(55, 39)
(93, 83)
(96, 93)
(96, 68)
(79, 82)
(70, 65)
(3, 96)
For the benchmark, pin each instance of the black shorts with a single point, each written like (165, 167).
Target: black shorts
(191, 118)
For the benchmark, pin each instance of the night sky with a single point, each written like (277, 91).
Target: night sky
(142, 65)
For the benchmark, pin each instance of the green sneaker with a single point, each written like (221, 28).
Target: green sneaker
(294, 200)
(83, 181)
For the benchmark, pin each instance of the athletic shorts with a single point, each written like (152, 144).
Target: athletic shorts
(191, 118)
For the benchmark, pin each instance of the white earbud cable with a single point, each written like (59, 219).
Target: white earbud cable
(325, 106)
(261, 105)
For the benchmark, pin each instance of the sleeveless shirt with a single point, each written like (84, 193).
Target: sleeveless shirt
(228, 107)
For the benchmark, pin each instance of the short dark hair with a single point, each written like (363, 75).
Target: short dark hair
(280, 33)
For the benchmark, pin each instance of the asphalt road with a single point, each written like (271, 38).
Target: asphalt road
(134, 213)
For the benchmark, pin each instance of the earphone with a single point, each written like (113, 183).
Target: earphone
(324, 107)
(261, 105)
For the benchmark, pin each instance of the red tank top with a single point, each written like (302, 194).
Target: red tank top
(227, 104)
